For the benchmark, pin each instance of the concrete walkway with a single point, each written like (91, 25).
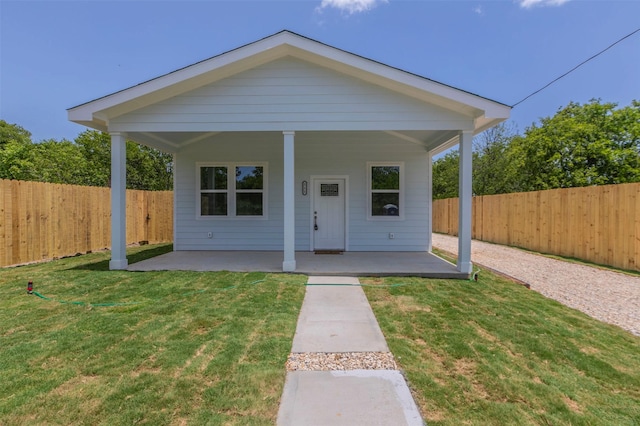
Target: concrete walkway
(338, 318)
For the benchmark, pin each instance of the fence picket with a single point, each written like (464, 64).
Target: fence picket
(41, 221)
(599, 224)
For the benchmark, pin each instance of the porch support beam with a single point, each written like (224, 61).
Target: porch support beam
(118, 201)
(289, 263)
(429, 201)
(465, 199)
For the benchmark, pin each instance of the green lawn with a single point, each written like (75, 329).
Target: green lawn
(494, 353)
(210, 348)
(178, 348)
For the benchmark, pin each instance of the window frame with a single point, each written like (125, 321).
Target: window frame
(231, 190)
(400, 191)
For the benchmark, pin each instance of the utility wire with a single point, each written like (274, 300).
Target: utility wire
(574, 68)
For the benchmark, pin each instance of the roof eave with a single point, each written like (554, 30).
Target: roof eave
(97, 113)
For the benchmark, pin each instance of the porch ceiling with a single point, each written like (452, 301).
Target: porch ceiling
(173, 141)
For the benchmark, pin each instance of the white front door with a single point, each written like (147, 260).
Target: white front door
(329, 214)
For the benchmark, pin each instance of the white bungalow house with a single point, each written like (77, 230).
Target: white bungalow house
(290, 145)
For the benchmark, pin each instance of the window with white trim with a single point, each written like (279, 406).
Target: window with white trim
(232, 190)
(386, 192)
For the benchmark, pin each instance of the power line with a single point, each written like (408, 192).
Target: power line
(574, 68)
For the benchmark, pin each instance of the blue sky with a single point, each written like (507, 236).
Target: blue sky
(57, 54)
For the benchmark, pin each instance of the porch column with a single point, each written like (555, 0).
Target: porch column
(429, 201)
(118, 201)
(289, 263)
(465, 199)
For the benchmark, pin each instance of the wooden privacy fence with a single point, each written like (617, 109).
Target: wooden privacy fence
(40, 221)
(600, 224)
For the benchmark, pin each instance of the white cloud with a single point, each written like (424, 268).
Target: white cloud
(527, 4)
(478, 10)
(350, 6)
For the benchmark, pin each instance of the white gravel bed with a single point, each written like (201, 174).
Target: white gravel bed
(608, 296)
(340, 361)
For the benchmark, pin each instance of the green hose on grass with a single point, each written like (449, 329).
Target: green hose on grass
(113, 304)
(65, 302)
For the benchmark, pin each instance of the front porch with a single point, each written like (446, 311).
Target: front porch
(378, 264)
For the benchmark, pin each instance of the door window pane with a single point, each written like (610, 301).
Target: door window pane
(329, 190)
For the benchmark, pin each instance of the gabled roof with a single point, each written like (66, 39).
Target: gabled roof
(97, 113)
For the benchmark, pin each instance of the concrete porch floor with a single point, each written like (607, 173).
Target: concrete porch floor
(354, 264)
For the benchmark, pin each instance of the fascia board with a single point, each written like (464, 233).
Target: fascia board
(445, 145)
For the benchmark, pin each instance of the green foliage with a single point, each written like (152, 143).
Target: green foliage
(13, 132)
(16, 161)
(590, 144)
(59, 162)
(581, 145)
(493, 169)
(148, 168)
(493, 172)
(445, 176)
(85, 161)
(96, 148)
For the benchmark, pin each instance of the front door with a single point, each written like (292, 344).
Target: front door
(329, 214)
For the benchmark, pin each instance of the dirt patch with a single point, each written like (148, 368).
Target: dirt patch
(409, 304)
(572, 405)
(75, 386)
(435, 416)
(464, 367)
(421, 342)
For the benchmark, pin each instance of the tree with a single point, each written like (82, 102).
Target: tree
(17, 161)
(60, 162)
(445, 176)
(96, 149)
(147, 168)
(13, 132)
(85, 161)
(590, 144)
(493, 170)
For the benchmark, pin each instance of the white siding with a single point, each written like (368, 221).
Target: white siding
(290, 94)
(317, 153)
(230, 233)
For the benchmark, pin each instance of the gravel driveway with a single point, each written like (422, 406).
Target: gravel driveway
(608, 296)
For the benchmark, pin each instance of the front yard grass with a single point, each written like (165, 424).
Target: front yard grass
(209, 348)
(169, 347)
(493, 353)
